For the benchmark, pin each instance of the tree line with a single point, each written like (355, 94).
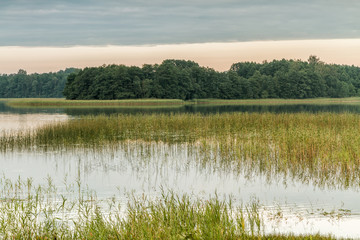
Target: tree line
(23, 85)
(180, 79)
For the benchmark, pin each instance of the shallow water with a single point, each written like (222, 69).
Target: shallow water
(147, 168)
(18, 122)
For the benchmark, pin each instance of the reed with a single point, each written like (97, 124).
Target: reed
(320, 148)
(277, 101)
(28, 211)
(61, 102)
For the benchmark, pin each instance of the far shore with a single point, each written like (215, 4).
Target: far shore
(152, 102)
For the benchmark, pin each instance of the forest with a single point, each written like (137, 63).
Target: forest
(23, 85)
(181, 79)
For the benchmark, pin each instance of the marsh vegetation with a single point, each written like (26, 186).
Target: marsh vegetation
(317, 147)
(181, 175)
(28, 211)
(61, 102)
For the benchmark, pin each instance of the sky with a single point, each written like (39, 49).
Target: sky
(132, 32)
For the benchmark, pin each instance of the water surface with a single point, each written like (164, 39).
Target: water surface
(146, 168)
(202, 109)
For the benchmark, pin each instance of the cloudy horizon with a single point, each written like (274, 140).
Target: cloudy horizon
(152, 26)
(125, 22)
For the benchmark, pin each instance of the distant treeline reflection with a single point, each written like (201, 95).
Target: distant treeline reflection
(218, 109)
(202, 109)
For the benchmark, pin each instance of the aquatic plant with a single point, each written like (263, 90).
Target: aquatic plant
(320, 148)
(28, 211)
(60, 102)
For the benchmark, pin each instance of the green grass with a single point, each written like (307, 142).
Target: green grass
(41, 212)
(320, 148)
(272, 101)
(60, 102)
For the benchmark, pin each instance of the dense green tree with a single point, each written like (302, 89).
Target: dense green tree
(24, 85)
(187, 80)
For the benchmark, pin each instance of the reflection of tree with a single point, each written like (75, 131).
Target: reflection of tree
(203, 109)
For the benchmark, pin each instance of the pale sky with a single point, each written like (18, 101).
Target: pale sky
(43, 35)
(219, 56)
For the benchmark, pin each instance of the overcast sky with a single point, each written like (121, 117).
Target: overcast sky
(138, 22)
(49, 35)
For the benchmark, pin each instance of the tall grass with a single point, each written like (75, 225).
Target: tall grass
(323, 148)
(276, 101)
(60, 102)
(28, 211)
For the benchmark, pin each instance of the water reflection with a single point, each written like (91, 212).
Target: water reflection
(202, 109)
(148, 167)
(217, 109)
(11, 122)
(145, 168)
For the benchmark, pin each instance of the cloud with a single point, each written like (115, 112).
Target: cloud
(135, 22)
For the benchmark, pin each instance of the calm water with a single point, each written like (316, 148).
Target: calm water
(340, 108)
(147, 167)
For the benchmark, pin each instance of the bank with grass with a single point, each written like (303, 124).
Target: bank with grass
(153, 102)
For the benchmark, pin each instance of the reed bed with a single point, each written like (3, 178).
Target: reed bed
(60, 102)
(28, 211)
(276, 101)
(321, 148)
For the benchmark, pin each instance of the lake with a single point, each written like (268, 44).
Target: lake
(147, 167)
(202, 109)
